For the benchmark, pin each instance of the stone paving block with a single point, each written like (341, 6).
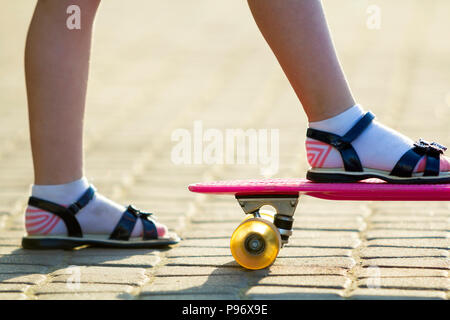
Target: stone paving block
(222, 211)
(414, 225)
(13, 287)
(283, 270)
(73, 288)
(400, 272)
(431, 263)
(195, 284)
(286, 251)
(317, 207)
(345, 263)
(402, 210)
(139, 261)
(324, 234)
(207, 234)
(219, 242)
(22, 268)
(326, 218)
(3, 218)
(113, 275)
(387, 252)
(113, 252)
(12, 296)
(84, 296)
(189, 296)
(411, 243)
(195, 252)
(333, 282)
(43, 259)
(175, 271)
(292, 293)
(330, 226)
(210, 228)
(313, 252)
(102, 270)
(410, 283)
(207, 218)
(132, 280)
(234, 269)
(8, 200)
(11, 237)
(201, 261)
(404, 234)
(378, 218)
(345, 243)
(22, 278)
(395, 294)
(13, 250)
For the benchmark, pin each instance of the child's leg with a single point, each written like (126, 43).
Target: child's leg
(298, 35)
(56, 65)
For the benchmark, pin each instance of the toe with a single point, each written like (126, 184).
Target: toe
(445, 164)
(162, 230)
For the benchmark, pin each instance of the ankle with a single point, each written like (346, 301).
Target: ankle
(340, 123)
(66, 193)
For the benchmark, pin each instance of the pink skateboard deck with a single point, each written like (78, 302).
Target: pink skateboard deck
(370, 189)
(256, 241)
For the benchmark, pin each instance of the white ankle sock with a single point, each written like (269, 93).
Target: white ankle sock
(99, 216)
(378, 147)
(61, 193)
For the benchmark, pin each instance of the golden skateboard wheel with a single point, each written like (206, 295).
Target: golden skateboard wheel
(255, 243)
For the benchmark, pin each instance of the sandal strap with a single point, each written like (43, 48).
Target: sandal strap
(150, 231)
(432, 151)
(433, 166)
(67, 214)
(125, 226)
(343, 144)
(405, 166)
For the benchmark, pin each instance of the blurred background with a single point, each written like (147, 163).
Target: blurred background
(159, 66)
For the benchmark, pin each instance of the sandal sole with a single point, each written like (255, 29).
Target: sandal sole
(68, 243)
(336, 177)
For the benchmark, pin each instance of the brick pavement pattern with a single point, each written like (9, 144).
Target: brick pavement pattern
(158, 66)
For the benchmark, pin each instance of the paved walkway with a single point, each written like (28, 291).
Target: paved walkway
(159, 66)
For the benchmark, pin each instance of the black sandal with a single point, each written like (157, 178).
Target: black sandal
(353, 171)
(119, 238)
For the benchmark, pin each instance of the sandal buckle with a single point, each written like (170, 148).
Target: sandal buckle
(432, 148)
(135, 212)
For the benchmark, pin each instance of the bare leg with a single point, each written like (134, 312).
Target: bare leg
(298, 35)
(56, 69)
(297, 32)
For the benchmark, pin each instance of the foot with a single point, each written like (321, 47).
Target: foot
(100, 216)
(378, 147)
